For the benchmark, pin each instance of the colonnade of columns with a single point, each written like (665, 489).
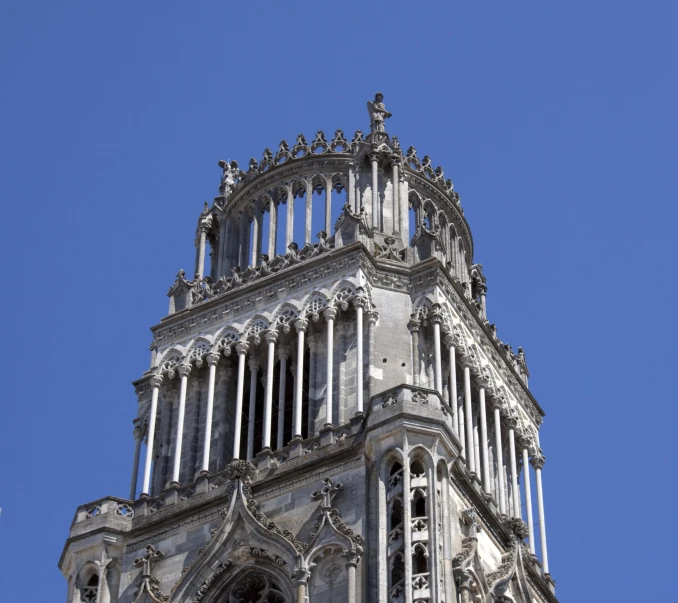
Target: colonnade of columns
(243, 350)
(247, 228)
(470, 421)
(240, 235)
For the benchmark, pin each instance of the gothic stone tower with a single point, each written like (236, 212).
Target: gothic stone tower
(336, 422)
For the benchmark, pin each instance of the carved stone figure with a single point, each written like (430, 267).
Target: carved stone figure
(378, 113)
(230, 172)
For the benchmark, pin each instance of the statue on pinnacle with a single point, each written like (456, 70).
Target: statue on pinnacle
(378, 113)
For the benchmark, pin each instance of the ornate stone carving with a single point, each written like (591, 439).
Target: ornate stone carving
(419, 397)
(253, 507)
(148, 582)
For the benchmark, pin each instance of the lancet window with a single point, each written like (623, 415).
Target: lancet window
(420, 535)
(395, 540)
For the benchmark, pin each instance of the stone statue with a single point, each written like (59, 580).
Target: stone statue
(228, 176)
(378, 113)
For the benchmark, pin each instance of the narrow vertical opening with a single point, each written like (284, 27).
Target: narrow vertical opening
(339, 199)
(265, 229)
(298, 233)
(420, 561)
(397, 570)
(280, 248)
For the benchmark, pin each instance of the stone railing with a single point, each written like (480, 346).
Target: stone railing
(412, 399)
(109, 505)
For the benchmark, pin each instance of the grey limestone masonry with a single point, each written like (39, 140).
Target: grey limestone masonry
(423, 484)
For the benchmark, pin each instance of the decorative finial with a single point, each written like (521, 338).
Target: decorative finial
(377, 112)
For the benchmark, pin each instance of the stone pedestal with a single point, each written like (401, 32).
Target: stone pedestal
(327, 435)
(202, 482)
(296, 448)
(265, 460)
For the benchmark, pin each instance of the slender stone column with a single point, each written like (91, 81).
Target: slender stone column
(468, 415)
(396, 201)
(372, 317)
(156, 380)
(254, 372)
(289, 226)
(138, 437)
(301, 582)
(528, 499)
(436, 319)
(184, 371)
(413, 326)
(283, 354)
(328, 206)
(404, 226)
(374, 157)
(476, 447)
(512, 425)
(359, 304)
(256, 236)
(330, 314)
(500, 456)
(301, 325)
(241, 348)
(538, 463)
(212, 361)
(342, 327)
(271, 338)
(272, 228)
(309, 209)
(462, 430)
(483, 436)
(350, 570)
(200, 242)
(351, 191)
(452, 388)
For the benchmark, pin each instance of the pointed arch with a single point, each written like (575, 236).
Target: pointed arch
(171, 358)
(285, 314)
(257, 325)
(228, 337)
(199, 347)
(315, 303)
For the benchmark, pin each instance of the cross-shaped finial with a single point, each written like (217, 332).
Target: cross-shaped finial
(327, 492)
(148, 559)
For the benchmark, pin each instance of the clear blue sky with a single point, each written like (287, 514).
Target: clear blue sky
(557, 123)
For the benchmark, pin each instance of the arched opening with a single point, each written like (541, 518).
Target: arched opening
(396, 516)
(395, 476)
(307, 383)
(397, 569)
(452, 254)
(419, 560)
(299, 226)
(418, 504)
(413, 217)
(280, 197)
(91, 589)
(339, 199)
(257, 587)
(417, 469)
